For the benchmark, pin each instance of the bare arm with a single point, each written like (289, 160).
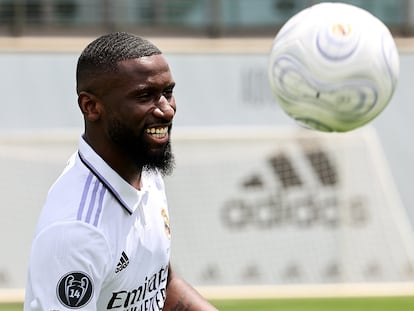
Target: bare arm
(183, 297)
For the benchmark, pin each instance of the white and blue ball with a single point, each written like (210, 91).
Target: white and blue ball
(333, 67)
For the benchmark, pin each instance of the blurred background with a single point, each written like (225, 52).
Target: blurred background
(254, 198)
(200, 18)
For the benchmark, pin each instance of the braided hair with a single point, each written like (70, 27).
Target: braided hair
(101, 56)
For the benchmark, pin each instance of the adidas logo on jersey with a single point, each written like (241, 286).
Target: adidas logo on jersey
(123, 263)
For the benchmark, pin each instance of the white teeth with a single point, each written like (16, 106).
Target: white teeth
(157, 132)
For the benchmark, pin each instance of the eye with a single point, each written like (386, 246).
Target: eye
(168, 92)
(144, 96)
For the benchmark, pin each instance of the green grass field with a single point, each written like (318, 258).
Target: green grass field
(319, 304)
(311, 304)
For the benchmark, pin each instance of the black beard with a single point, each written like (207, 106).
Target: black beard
(138, 151)
(164, 163)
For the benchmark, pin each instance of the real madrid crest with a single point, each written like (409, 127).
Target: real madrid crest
(166, 223)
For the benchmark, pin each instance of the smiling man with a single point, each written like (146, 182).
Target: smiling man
(103, 238)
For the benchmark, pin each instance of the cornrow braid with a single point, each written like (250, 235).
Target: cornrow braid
(101, 55)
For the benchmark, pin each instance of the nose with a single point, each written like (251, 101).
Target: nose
(165, 109)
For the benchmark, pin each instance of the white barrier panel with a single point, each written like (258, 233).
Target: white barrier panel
(275, 207)
(247, 206)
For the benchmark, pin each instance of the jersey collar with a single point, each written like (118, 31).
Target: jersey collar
(127, 196)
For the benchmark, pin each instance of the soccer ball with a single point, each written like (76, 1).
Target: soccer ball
(333, 67)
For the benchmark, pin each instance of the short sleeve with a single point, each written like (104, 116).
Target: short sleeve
(68, 265)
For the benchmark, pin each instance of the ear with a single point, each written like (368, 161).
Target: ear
(90, 106)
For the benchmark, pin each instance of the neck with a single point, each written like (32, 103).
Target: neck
(118, 161)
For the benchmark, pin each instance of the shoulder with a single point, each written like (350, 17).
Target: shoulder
(61, 238)
(70, 245)
(76, 195)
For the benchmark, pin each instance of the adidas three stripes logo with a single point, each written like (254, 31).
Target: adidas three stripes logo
(123, 263)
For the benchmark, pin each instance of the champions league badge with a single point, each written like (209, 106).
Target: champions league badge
(75, 289)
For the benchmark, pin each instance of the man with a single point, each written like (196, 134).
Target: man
(103, 238)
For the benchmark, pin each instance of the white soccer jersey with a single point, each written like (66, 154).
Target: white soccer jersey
(100, 244)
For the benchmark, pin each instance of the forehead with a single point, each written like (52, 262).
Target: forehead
(148, 69)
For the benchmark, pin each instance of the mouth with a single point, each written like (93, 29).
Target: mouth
(157, 132)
